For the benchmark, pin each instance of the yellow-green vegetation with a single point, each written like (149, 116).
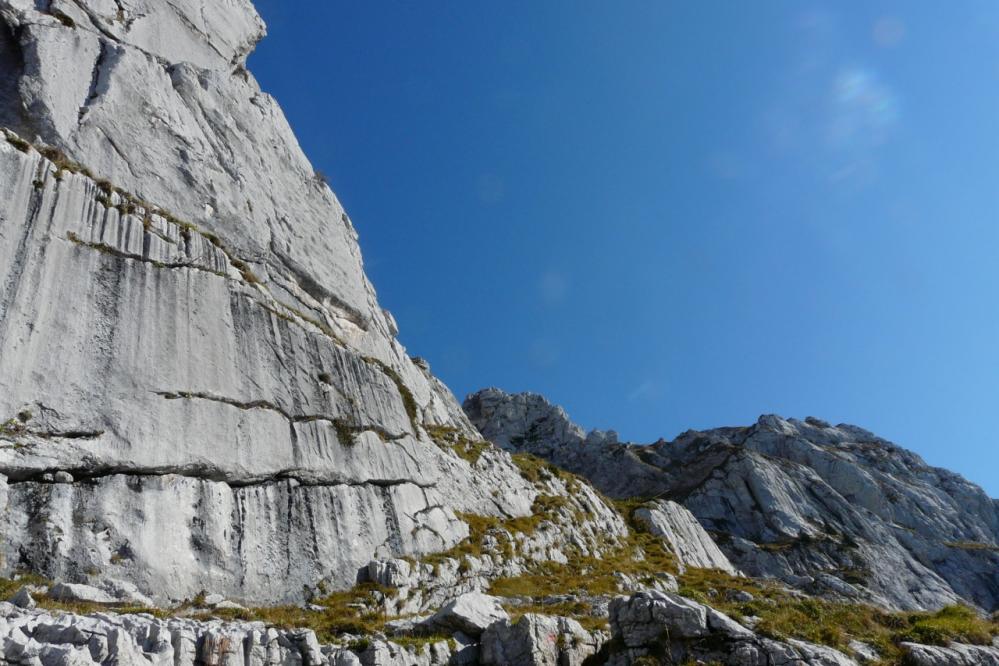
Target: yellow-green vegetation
(63, 163)
(130, 204)
(17, 142)
(503, 529)
(972, 545)
(343, 612)
(245, 271)
(9, 587)
(11, 427)
(538, 470)
(783, 616)
(15, 426)
(533, 468)
(641, 556)
(450, 438)
(408, 401)
(344, 432)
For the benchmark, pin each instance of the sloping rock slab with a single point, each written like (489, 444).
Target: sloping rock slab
(954, 655)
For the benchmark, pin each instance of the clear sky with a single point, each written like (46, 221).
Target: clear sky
(672, 215)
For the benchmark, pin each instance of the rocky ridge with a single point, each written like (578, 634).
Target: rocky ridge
(645, 628)
(832, 510)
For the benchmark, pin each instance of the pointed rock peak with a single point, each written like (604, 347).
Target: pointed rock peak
(518, 421)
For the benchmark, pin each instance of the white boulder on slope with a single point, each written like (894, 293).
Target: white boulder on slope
(691, 544)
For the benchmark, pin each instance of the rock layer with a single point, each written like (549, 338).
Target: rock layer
(833, 510)
(198, 388)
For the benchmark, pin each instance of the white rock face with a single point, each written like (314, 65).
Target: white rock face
(198, 388)
(692, 546)
(833, 510)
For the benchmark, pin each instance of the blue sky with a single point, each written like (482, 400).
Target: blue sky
(668, 215)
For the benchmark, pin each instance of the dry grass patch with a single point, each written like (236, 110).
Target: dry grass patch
(347, 612)
(450, 438)
(783, 615)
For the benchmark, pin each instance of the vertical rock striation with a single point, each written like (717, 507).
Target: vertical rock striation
(198, 388)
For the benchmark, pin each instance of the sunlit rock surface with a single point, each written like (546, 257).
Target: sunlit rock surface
(833, 510)
(691, 544)
(198, 388)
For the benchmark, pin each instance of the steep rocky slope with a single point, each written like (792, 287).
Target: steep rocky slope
(833, 510)
(198, 389)
(213, 450)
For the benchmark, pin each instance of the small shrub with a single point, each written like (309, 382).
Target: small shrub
(245, 271)
(450, 438)
(344, 432)
(953, 623)
(408, 401)
(64, 19)
(532, 468)
(972, 546)
(18, 142)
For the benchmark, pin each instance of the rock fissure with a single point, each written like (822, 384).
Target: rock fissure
(297, 476)
(338, 421)
(113, 251)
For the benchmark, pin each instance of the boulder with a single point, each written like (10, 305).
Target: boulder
(653, 625)
(23, 599)
(537, 640)
(80, 592)
(125, 592)
(393, 573)
(640, 619)
(470, 613)
(952, 655)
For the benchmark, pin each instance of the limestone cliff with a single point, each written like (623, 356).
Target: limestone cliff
(198, 388)
(833, 510)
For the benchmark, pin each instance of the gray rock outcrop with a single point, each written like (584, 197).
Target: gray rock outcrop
(470, 613)
(673, 629)
(45, 639)
(953, 655)
(833, 510)
(692, 546)
(79, 592)
(198, 387)
(538, 640)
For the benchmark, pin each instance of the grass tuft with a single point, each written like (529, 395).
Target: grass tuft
(450, 438)
(783, 615)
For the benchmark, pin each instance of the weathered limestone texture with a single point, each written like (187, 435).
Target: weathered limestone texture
(832, 510)
(198, 388)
